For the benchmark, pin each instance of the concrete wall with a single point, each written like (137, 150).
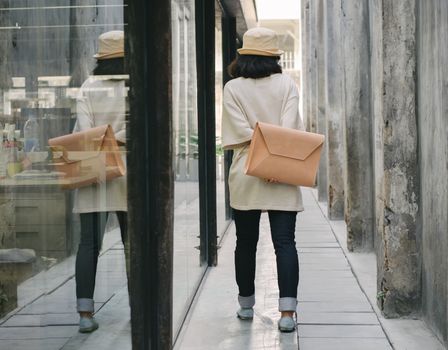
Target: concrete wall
(394, 121)
(433, 130)
(305, 47)
(321, 100)
(399, 261)
(358, 127)
(58, 41)
(334, 109)
(312, 85)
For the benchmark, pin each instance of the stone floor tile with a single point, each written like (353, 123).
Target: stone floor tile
(22, 333)
(344, 344)
(332, 306)
(42, 320)
(326, 318)
(33, 344)
(341, 331)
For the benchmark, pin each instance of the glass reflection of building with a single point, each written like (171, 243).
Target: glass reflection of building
(47, 50)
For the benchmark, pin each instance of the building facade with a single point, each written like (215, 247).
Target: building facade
(170, 94)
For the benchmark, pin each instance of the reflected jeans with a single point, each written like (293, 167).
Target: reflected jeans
(92, 231)
(283, 237)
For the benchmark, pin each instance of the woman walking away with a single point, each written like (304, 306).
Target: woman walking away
(261, 92)
(101, 100)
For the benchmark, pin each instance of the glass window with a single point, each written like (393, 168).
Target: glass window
(188, 267)
(221, 219)
(63, 106)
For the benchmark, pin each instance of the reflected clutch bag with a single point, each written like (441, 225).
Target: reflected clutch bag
(87, 157)
(290, 156)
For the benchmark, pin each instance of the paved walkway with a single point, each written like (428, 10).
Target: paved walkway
(47, 319)
(333, 311)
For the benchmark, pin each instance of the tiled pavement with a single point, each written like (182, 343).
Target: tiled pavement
(333, 311)
(47, 318)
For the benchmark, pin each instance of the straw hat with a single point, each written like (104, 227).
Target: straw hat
(110, 45)
(260, 41)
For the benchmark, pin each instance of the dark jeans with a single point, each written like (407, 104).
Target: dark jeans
(283, 236)
(92, 231)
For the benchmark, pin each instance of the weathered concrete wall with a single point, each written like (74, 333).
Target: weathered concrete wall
(376, 93)
(305, 36)
(84, 35)
(59, 41)
(394, 106)
(399, 262)
(312, 92)
(40, 46)
(433, 131)
(5, 47)
(321, 117)
(334, 109)
(358, 129)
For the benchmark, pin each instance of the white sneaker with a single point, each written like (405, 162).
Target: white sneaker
(245, 313)
(287, 324)
(87, 325)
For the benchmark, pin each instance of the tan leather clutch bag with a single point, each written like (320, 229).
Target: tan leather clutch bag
(87, 157)
(290, 156)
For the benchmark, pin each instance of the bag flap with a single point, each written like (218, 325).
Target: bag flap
(288, 142)
(89, 140)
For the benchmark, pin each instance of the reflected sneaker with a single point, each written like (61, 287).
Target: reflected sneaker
(87, 325)
(245, 313)
(287, 324)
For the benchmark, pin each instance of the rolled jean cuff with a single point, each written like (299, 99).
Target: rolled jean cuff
(246, 302)
(287, 304)
(85, 305)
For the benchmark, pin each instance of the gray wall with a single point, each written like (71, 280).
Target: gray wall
(55, 41)
(395, 77)
(433, 131)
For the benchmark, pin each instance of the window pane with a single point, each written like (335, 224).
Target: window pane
(62, 170)
(188, 267)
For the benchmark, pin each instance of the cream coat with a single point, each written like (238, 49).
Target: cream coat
(102, 101)
(273, 100)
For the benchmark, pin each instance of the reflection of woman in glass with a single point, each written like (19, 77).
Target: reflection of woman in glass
(101, 100)
(261, 92)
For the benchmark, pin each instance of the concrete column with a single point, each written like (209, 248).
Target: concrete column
(312, 93)
(334, 109)
(433, 130)
(399, 263)
(376, 66)
(357, 139)
(321, 118)
(304, 36)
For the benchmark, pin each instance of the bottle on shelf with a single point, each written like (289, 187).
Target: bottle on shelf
(31, 134)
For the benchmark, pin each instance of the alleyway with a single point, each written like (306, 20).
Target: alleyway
(334, 312)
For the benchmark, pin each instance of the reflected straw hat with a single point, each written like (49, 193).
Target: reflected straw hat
(110, 45)
(261, 42)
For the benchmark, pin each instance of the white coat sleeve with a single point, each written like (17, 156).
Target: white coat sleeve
(291, 114)
(236, 129)
(84, 115)
(120, 135)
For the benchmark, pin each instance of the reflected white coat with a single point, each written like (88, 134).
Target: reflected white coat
(102, 101)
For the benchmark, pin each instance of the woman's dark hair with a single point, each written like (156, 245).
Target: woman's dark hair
(251, 66)
(111, 66)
